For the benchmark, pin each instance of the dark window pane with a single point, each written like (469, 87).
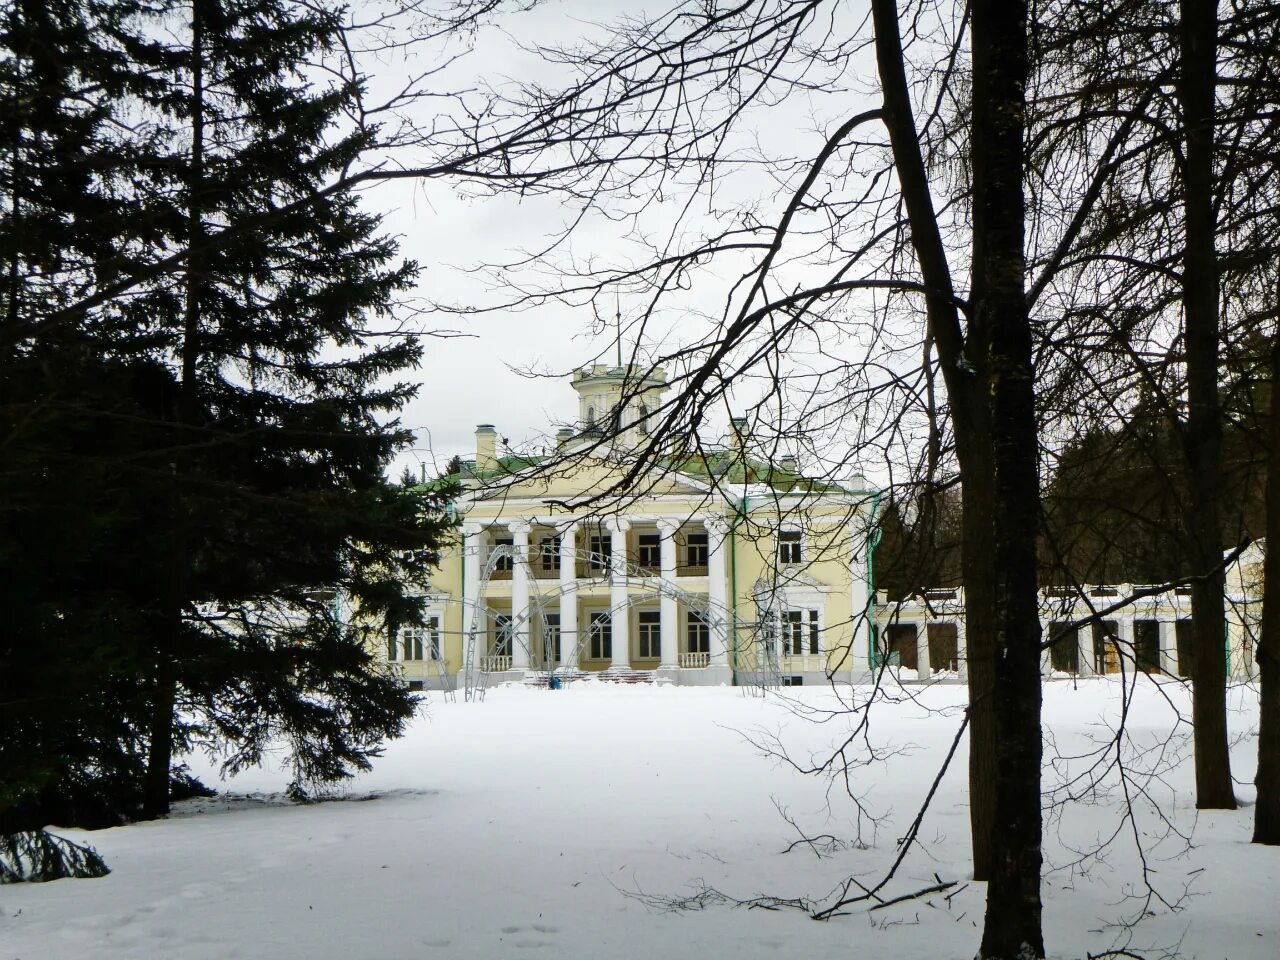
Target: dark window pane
(1146, 645)
(1064, 649)
(901, 645)
(1186, 639)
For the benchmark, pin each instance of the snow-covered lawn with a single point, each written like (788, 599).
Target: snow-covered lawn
(525, 827)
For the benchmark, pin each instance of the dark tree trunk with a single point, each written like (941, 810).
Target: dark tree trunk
(977, 556)
(963, 362)
(155, 787)
(169, 644)
(1012, 927)
(1266, 815)
(1203, 433)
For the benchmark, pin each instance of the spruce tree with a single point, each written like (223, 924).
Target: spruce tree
(70, 538)
(283, 417)
(218, 435)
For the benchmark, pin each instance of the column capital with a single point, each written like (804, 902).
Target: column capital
(716, 526)
(618, 524)
(667, 526)
(471, 528)
(519, 526)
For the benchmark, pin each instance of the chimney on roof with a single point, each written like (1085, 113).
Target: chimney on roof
(741, 436)
(486, 447)
(563, 437)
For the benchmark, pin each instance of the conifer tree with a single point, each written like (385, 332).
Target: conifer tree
(230, 453)
(71, 562)
(277, 492)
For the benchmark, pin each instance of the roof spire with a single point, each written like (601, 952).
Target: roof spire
(617, 317)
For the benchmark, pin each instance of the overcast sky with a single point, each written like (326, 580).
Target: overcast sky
(482, 375)
(475, 377)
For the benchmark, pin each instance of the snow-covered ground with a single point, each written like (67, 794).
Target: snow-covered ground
(553, 824)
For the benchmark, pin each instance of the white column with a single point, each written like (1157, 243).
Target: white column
(471, 533)
(1086, 666)
(670, 630)
(922, 650)
(862, 610)
(1128, 649)
(962, 650)
(717, 590)
(568, 597)
(1046, 660)
(620, 609)
(1168, 646)
(519, 594)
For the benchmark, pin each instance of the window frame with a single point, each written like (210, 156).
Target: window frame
(505, 564)
(504, 632)
(549, 553)
(799, 629)
(792, 622)
(600, 560)
(790, 547)
(415, 644)
(696, 625)
(649, 550)
(600, 633)
(697, 549)
(649, 634)
(551, 629)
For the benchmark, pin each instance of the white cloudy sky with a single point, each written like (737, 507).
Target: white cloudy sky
(475, 377)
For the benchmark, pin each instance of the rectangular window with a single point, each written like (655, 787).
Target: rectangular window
(1106, 652)
(649, 548)
(1184, 637)
(411, 643)
(551, 635)
(1146, 645)
(418, 643)
(549, 554)
(789, 547)
(503, 633)
(698, 635)
(433, 638)
(903, 649)
(798, 629)
(505, 563)
(1064, 647)
(601, 547)
(793, 632)
(601, 633)
(696, 549)
(650, 634)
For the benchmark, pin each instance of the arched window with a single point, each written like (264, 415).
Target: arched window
(591, 416)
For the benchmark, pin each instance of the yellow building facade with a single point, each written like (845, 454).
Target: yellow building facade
(717, 569)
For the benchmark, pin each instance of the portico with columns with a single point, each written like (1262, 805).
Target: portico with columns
(660, 583)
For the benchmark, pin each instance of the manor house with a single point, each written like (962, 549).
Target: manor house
(722, 568)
